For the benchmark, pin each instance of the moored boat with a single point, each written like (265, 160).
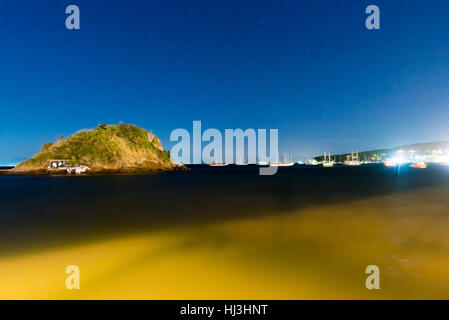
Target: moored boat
(312, 162)
(389, 163)
(419, 165)
(286, 163)
(217, 164)
(327, 162)
(281, 164)
(354, 160)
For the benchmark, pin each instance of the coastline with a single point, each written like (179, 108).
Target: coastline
(128, 170)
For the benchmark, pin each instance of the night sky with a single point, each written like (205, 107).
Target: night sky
(308, 68)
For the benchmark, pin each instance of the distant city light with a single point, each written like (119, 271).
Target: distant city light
(399, 160)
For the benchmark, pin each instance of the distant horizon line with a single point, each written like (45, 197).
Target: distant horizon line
(16, 161)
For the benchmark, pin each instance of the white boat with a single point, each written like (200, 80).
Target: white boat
(78, 169)
(352, 163)
(218, 164)
(354, 160)
(281, 164)
(327, 162)
(286, 163)
(215, 164)
(312, 162)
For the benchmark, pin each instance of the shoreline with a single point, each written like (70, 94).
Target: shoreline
(46, 172)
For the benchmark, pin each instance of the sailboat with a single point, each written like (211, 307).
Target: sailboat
(285, 163)
(365, 161)
(312, 162)
(354, 160)
(327, 162)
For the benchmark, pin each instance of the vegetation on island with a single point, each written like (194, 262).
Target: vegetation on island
(122, 148)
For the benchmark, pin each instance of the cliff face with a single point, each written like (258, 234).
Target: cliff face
(107, 148)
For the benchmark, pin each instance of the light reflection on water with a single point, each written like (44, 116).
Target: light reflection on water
(304, 233)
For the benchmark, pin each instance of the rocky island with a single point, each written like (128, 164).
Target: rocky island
(122, 148)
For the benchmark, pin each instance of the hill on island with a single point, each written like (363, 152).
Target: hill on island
(426, 148)
(107, 148)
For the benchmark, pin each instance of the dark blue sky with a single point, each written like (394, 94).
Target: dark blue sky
(309, 68)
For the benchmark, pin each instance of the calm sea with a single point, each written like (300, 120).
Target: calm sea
(302, 223)
(54, 209)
